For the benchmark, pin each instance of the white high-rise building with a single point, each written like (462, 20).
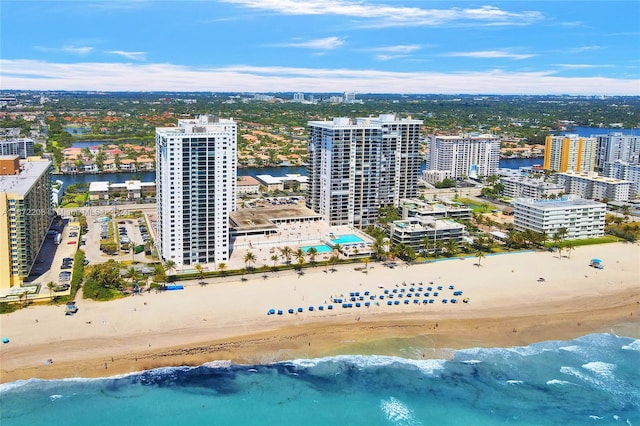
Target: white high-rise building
(196, 189)
(356, 167)
(617, 147)
(465, 155)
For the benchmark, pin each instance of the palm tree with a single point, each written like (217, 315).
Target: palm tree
(222, 267)
(379, 248)
(169, 265)
(132, 274)
(569, 247)
(51, 286)
(249, 258)
(425, 244)
(338, 250)
(132, 247)
(300, 255)
(480, 255)
(452, 247)
(286, 252)
(312, 252)
(333, 261)
(366, 264)
(275, 258)
(200, 270)
(625, 210)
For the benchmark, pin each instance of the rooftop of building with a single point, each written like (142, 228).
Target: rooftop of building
(564, 202)
(31, 170)
(476, 136)
(263, 218)
(593, 176)
(247, 181)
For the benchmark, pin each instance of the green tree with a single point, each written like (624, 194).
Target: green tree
(286, 254)
(480, 255)
(249, 259)
(51, 286)
(312, 252)
(300, 255)
(222, 267)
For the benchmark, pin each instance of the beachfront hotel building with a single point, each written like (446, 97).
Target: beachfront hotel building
(593, 186)
(616, 147)
(357, 166)
(581, 217)
(468, 155)
(570, 153)
(25, 215)
(196, 175)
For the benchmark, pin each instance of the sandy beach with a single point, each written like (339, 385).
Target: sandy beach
(227, 320)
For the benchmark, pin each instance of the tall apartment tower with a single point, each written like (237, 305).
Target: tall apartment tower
(617, 147)
(25, 215)
(470, 155)
(196, 189)
(356, 167)
(570, 153)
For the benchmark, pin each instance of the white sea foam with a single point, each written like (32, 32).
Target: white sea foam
(426, 366)
(596, 417)
(54, 397)
(515, 382)
(218, 364)
(602, 369)
(472, 361)
(558, 382)
(572, 348)
(397, 412)
(633, 346)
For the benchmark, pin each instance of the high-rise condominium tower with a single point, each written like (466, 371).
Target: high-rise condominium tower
(196, 181)
(470, 155)
(356, 167)
(25, 215)
(617, 147)
(570, 153)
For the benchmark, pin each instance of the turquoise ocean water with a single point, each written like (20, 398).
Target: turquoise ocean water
(592, 380)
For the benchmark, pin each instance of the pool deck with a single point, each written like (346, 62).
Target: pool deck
(293, 235)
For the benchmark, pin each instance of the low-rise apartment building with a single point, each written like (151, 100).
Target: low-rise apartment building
(581, 217)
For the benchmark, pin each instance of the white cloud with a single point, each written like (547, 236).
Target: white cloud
(78, 50)
(75, 50)
(328, 43)
(400, 48)
(391, 15)
(42, 75)
(582, 49)
(136, 56)
(491, 54)
(581, 66)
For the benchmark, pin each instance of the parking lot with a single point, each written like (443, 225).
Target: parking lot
(124, 231)
(50, 264)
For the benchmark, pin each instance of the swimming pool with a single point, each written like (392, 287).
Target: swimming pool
(347, 239)
(321, 248)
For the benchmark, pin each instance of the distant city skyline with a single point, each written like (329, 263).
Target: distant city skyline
(315, 46)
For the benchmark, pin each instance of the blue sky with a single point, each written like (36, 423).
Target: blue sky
(365, 46)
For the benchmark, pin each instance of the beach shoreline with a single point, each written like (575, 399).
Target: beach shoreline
(508, 307)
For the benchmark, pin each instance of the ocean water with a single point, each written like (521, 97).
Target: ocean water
(592, 380)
